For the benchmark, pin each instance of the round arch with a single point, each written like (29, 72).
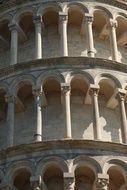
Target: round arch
(15, 85)
(43, 164)
(20, 13)
(87, 161)
(15, 167)
(4, 86)
(115, 162)
(82, 7)
(122, 15)
(107, 13)
(85, 75)
(6, 17)
(45, 76)
(101, 76)
(43, 9)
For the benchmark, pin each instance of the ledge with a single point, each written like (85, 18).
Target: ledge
(100, 147)
(6, 4)
(60, 62)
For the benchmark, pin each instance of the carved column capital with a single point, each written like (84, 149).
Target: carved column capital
(113, 23)
(89, 18)
(36, 182)
(37, 19)
(121, 94)
(65, 88)
(10, 99)
(94, 89)
(63, 17)
(38, 92)
(13, 26)
(102, 182)
(69, 181)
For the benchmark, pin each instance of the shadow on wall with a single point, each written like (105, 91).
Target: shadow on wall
(110, 124)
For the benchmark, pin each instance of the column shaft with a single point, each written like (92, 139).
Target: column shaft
(69, 181)
(91, 49)
(38, 102)
(96, 115)
(66, 96)
(38, 37)
(14, 43)
(10, 120)
(123, 116)
(113, 40)
(68, 114)
(63, 32)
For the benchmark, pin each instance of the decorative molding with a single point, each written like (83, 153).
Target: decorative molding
(84, 145)
(70, 62)
(6, 4)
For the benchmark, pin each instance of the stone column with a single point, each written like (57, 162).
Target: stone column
(10, 120)
(113, 39)
(89, 22)
(102, 182)
(94, 89)
(36, 183)
(38, 37)
(14, 43)
(38, 101)
(69, 181)
(121, 98)
(65, 88)
(63, 18)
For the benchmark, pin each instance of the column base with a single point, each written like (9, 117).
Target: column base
(91, 54)
(67, 138)
(37, 138)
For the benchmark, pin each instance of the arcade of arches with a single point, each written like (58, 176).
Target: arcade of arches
(55, 177)
(97, 111)
(63, 95)
(74, 31)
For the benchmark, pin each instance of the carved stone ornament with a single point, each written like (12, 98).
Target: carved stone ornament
(102, 183)
(65, 89)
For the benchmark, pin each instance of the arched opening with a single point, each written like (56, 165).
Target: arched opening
(5, 39)
(22, 180)
(26, 50)
(80, 112)
(122, 37)
(51, 38)
(76, 38)
(116, 178)
(25, 114)
(53, 178)
(53, 110)
(3, 116)
(84, 178)
(101, 35)
(109, 111)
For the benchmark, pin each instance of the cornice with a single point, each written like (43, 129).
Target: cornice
(62, 63)
(6, 4)
(122, 4)
(101, 148)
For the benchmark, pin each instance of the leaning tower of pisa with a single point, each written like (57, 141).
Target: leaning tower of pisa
(63, 86)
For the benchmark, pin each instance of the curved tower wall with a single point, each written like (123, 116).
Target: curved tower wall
(63, 98)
